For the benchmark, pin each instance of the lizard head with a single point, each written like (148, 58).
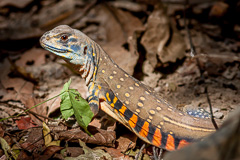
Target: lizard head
(68, 43)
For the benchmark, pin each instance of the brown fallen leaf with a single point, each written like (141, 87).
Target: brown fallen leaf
(100, 136)
(218, 10)
(116, 27)
(73, 151)
(16, 88)
(128, 5)
(28, 146)
(52, 14)
(25, 123)
(34, 56)
(35, 141)
(50, 150)
(24, 155)
(105, 122)
(117, 153)
(41, 110)
(126, 141)
(1, 130)
(13, 3)
(168, 47)
(92, 153)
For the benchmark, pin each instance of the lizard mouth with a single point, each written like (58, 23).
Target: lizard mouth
(51, 48)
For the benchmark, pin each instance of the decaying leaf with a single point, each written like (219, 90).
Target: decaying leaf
(158, 41)
(25, 123)
(48, 138)
(5, 147)
(99, 136)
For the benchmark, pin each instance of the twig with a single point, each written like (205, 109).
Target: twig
(139, 154)
(160, 154)
(31, 107)
(192, 47)
(155, 155)
(35, 114)
(211, 111)
(128, 149)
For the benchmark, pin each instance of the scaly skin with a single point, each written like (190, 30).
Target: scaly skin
(123, 97)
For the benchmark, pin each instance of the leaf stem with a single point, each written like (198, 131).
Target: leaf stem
(32, 107)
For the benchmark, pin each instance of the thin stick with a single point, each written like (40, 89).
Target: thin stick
(139, 154)
(155, 157)
(192, 48)
(31, 108)
(160, 154)
(211, 111)
(36, 114)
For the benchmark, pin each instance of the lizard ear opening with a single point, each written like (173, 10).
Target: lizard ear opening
(85, 50)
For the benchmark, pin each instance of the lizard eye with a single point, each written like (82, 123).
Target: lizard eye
(64, 37)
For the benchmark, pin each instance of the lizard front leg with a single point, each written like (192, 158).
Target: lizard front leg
(93, 98)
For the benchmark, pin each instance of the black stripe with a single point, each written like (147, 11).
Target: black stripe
(111, 96)
(139, 124)
(128, 114)
(118, 105)
(176, 141)
(164, 139)
(151, 132)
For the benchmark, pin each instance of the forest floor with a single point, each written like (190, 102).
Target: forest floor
(148, 39)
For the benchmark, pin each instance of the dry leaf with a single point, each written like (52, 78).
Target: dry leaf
(25, 123)
(100, 137)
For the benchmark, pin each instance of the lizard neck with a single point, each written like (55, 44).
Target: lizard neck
(89, 69)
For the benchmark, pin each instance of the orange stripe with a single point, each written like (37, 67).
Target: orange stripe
(122, 110)
(182, 143)
(170, 143)
(133, 120)
(145, 129)
(157, 138)
(116, 110)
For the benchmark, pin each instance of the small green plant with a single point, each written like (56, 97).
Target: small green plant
(71, 104)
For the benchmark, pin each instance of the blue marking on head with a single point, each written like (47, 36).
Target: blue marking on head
(75, 48)
(72, 40)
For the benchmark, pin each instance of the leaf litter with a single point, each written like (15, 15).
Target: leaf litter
(127, 31)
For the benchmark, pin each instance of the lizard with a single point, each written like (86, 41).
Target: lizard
(111, 89)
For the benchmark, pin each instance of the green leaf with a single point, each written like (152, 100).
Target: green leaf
(66, 104)
(73, 103)
(81, 109)
(66, 86)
